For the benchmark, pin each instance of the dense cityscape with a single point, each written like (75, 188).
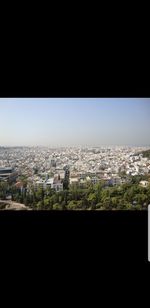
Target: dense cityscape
(74, 153)
(75, 178)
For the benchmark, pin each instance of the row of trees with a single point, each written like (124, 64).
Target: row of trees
(96, 197)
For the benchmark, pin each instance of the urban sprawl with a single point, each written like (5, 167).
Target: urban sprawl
(46, 167)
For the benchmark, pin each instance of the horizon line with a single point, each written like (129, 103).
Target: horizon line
(72, 146)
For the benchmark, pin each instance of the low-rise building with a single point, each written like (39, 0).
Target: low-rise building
(73, 180)
(58, 186)
(7, 174)
(144, 183)
(55, 184)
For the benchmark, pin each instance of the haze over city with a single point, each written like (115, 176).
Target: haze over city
(66, 122)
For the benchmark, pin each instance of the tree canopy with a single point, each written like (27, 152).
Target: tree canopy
(93, 197)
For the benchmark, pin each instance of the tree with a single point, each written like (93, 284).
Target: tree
(140, 198)
(98, 190)
(39, 194)
(137, 207)
(107, 203)
(105, 194)
(63, 205)
(80, 204)
(57, 206)
(114, 201)
(92, 200)
(66, 180)
(39, 205)
(72, 205)
(99, 205)
(46, 203)
(128, 206)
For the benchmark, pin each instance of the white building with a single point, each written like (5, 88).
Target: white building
(74, 180)
(57, 185)
(144, 183)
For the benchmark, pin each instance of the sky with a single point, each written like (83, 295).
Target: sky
(58, 122)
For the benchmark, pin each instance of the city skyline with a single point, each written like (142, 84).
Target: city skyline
(73, 122)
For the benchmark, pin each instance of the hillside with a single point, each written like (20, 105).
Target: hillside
(146, 154)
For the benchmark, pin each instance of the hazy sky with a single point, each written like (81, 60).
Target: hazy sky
(73, 122)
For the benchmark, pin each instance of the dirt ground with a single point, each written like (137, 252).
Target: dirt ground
(11, 205)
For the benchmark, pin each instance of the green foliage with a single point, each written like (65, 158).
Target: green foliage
(146, 154)
(72, 205)
(57, 206)
(129, 196)
(39, 205)
(136, 179)
(99, 205)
